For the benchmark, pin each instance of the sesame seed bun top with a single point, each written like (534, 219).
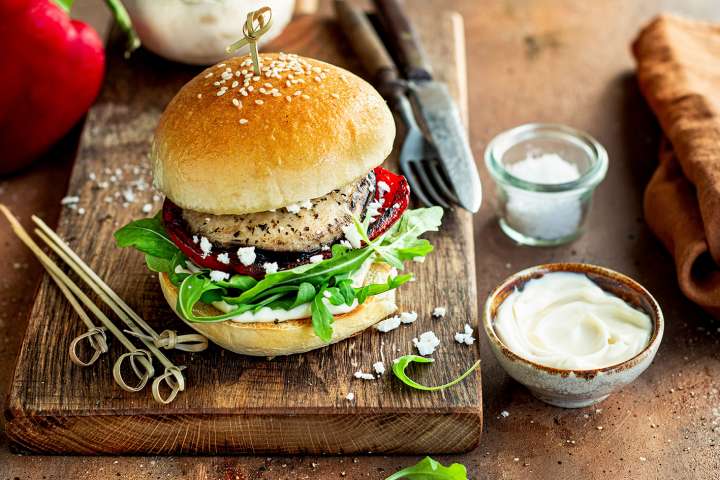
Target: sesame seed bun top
(232, 143)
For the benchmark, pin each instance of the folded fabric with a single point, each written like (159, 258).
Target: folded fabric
(679, 75)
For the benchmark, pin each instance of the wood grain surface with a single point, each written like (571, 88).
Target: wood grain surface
(564, 61)
(232, 403)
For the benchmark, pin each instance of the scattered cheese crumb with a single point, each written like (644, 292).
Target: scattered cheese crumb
(352, 235)
(427, 343)
(379, 367)
(408, 317)
(205, 246)
(147, 208)
(217, 275)
(388, 324)
(246, 255)
(383, 187)
(69, 200)
(364, 376)
(243, 121)
(316, 258)
(345, 243)
(350, 397)
(270, 267)
(504, 414)
(195, 239)
(419, 259)
(439, 312)
(465, 337)
(81, 211)
(224, 258)
(325, 248)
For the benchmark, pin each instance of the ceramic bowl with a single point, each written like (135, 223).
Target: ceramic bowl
(575, 388)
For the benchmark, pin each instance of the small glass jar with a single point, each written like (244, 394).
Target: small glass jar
(548, 213)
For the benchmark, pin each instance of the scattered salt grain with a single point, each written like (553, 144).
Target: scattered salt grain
(246, 255)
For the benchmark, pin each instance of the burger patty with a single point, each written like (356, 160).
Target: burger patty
(299, 229)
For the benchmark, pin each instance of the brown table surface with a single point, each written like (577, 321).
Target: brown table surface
(541, 60)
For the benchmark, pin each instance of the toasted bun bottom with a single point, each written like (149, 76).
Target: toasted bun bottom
(293, 336)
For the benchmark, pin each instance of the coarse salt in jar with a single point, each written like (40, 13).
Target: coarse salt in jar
(545, 176)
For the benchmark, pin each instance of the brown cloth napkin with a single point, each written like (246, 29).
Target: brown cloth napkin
(679, 74)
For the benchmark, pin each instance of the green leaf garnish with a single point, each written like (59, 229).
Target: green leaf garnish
(429, 469)
(400, 364)
(286, 289)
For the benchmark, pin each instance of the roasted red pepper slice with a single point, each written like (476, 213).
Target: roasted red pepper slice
(392, 188)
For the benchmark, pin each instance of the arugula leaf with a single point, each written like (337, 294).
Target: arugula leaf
(400, 364)
(147, 235)
(191, 290)
(306, 293)
(322, 319)
(377, 288)
(401, 241)
(429, 469)
(157, 264)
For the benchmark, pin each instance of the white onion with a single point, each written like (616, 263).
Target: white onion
(198, 31)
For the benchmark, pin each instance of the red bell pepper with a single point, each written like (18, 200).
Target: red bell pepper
(52, 71)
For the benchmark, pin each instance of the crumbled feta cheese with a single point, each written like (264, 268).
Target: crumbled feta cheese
(205, 246)
(388, 324)
(307, 204)
(69, 200)
(325, 248)
(465, 337)
(352, 235)
(224, 258)
(81, 211)
(350, 397)
(316, 258)
(379, 367)
(293, 208)
(270, 267)
(345, 243)
(373, 209)
(296, 207)
(408, 317)
(364, 376)
(217, 275)
(504, 414)
(439, 312)
(147, 208)
(195, 239)
(383, 187)
(246, 255)
(427, 343)
(419, 259)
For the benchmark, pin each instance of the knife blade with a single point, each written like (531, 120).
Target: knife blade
(436, 107)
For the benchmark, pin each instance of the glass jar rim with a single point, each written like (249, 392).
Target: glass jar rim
(589, 179)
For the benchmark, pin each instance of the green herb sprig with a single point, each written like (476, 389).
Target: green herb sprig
(400, 364)
(429, 469)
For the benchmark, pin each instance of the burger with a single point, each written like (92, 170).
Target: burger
(280, 231)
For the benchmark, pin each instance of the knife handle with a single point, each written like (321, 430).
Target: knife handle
(368, 46)
(405, 40)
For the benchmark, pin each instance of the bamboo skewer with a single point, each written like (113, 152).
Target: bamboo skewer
(177, 383)
(67, 286)
(168, 339)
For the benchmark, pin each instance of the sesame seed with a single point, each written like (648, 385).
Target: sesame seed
(306, 97)
(277, 94)
(259, 102)
(217, 84)
(287, 83)
(243, 93)
(262, 90)
(316, 78)
(256, 78)
(267, 84)
(250, 88)
(236, 102)
(299, 92)
(243, 121)
(209, 75)
(221, 65)
(199, 95)
(235, 84)
(288, 98)
(335, 95)
(221, 92)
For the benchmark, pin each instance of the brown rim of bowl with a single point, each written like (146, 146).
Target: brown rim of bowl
(609, 280)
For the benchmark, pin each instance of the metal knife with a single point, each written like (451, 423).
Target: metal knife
(435, 104)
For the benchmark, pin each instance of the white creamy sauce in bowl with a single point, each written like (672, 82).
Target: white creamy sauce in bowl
(564, 320)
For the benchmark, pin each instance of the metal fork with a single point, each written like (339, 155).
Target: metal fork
(420, 162)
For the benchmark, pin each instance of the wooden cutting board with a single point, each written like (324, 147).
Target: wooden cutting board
(234, 403)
